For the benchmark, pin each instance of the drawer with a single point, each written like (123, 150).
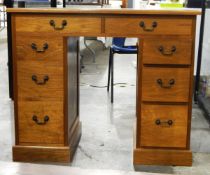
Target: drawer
(164, 125)
(36, 81)
(58, 24)
(167, 51)
(42, 49)
(165, 84)
(148, 25)
(41, 122)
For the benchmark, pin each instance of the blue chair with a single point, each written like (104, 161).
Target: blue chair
(118, 46)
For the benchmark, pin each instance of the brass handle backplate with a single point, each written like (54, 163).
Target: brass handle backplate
(36, 120)
(43, 49)
(166, 122)
(165, 52)
(63, 24)
(35, 79)
(170, 83)
(153, 26)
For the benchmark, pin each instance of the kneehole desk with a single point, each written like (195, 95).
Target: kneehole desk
(46, 80)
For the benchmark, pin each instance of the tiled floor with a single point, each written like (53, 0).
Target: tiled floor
(107, 133)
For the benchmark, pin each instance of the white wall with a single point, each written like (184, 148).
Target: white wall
(205, 66)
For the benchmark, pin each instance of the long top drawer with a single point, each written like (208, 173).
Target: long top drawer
(149, 25)
(59, 24)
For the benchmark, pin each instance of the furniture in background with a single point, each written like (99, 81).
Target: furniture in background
(2, 17)
(118, 46)
(46, 80)
(89, 48)
(85, 2)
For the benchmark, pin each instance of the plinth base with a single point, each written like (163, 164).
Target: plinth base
(48, 154)
(143, 156)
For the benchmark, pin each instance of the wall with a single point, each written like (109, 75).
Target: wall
(205, 66)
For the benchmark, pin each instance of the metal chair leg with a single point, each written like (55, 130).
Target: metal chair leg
(112, 78)
(109, 69)
(91, 50)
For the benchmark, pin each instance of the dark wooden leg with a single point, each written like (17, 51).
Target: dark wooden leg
(112, 78)
(109, 69)
(9, 4)
(9, 44)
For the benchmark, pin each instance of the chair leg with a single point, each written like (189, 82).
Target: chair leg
(109, 69)
(112, 78)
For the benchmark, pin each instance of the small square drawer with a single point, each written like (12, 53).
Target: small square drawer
(37, 81)
(164, 126)
(165, 84)
(58, 24)
(144, 25)
(41, 122)
(41, 49)
(168, 50)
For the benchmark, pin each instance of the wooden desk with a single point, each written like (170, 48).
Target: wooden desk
(46, 80)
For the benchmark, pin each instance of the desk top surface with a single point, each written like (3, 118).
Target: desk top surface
(125, 11)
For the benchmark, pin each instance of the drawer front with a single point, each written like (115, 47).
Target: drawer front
(148, 25)
(41, 49)
(41, 122)
(164, 125)
(36, 81)
(58, 24)
(165, 84)
(167, 51)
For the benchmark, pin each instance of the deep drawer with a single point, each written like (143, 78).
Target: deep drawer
(58, 24)
(164, 125)
(37, 81)
(165, 84)
(41, 122)
(168, 50)
(148, 25)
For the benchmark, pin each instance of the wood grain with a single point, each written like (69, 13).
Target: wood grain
(163, 135)
(152, 54)
(75, 24)
(165, 25)
(73, 84)
(170, 148)
(108, 11)
(41, 154)
(192, 82)
(29, 90)
(48, 153)
(152, 91)
(162, 157)
(30, 132)
(51, 56)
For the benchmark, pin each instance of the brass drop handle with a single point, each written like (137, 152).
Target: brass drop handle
(43, 49)
(167, 52)
(170, 83)
(143, 26)
(35, 79)
(63, 24)
(168, 122)
(45, 120)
